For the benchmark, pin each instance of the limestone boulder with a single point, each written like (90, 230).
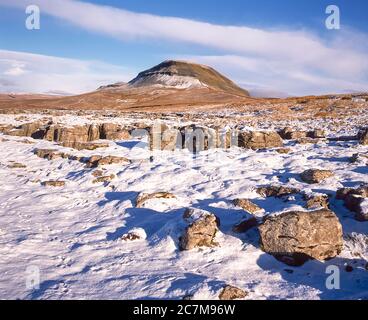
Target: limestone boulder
(283, 150)
(31, 129)
(93, 132)
(247, 205)
(316, 201)
(104, 179)
(232, 293)
(113, 131)
(308, 140)
(119, 135)
(16, 165)
(355, 200)
(259, 140)
(96, 161)
(68, 136)
(143, 197)
(53, 183)
(98, 173)
(295, 237)
(201, 231)
(49, 154)
(276, 191)
(313, 176)
(85, 145)
(290, 134)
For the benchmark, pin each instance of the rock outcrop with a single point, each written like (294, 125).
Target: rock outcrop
(201, 231)
(16, 165)
(289, 133)
(259, 140)
(77, 137)
(308, 140)
(49, 154)
(232, 293)
(112, 131)
(104, 179)
(85, 145)
(68, 136)
(355, 200)
(283, 150)
(134, 235)
(312, 176)
(294, 237)
(276, 191)
(53, 183)
(32, 129)
(98, 173)
(143, 197)
(97, 161)
(247, 205)
(316, 201)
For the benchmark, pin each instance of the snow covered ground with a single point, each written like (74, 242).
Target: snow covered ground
(71, 235)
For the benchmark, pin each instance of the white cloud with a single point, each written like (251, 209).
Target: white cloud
(278, 78)
(27, 72)
(16, 69)
(281, 58)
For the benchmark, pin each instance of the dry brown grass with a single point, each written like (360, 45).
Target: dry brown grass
(157, 101)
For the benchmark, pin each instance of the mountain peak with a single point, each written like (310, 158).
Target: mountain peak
(184, 75)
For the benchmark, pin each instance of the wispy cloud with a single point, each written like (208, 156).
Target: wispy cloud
(267, 77)
(27, 72)
(284, 59)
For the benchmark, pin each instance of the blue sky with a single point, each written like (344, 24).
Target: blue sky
(265, 45)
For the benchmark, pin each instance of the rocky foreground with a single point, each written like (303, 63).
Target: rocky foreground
(107, 205)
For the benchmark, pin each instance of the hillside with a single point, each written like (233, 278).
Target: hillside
(171, 84)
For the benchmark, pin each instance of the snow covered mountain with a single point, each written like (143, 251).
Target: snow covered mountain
(183, 75)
